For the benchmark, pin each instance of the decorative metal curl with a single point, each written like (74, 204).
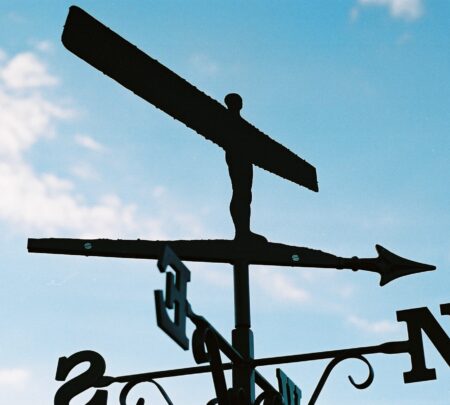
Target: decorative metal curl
(129, 386)
(199, 349)
(330, 368)
(232, 397)
(208, 348)
(269, 398)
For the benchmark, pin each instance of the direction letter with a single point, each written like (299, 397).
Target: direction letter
(290, 393)
(175, 294)
(419, 319)
(82, 382)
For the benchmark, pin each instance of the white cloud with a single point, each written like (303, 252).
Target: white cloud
(280, 287)
(345, 291)
(88, 143)
(213, 276)
(84, 171)
(16, 18)
(44, 46)
(204, 64)
(403, 9)
(45, 202)
(159, 191)
(26, 71)
(174, 217)
(404, 39)
(48, 204)
(354, 13)
(24, 119)
(379, 327)
(13, 376)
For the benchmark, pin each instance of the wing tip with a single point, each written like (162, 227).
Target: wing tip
(314, 184)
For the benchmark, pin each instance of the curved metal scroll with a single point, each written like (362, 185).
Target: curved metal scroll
(269, 398)
(330, 368)
(206, 348)
(129, 386)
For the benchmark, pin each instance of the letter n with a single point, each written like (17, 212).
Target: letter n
(418, 320)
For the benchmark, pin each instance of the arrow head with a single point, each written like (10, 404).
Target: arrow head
(391, 266)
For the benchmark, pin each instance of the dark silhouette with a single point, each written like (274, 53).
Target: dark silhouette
(241, 175)
(244, 144)
(244, 147)
(388, 265)
(108, 52)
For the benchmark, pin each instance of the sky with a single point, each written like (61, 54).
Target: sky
(358, 88)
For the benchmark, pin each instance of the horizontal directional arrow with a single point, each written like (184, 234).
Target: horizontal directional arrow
(390, 266)
(387, 264)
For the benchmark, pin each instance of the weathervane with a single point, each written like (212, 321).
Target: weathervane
(244, 147)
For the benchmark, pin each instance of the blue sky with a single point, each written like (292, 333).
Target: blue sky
(359, 88)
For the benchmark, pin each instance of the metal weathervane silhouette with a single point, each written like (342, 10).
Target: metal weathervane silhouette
(244, 147)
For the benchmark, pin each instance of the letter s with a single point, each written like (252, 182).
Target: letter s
(82, 382)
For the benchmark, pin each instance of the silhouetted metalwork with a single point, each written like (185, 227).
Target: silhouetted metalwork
(387, 264)
(146, 77)
(129, 386)
(290, 393)
(207, 343)
(244, 146)
(333, 363)
(175, 299)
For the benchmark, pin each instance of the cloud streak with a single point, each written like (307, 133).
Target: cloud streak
(379, 327)
(281, 287)
(401, 9)
(45, 202)
(204, 64)
(25, 71)
(13, 377)
(89, 143)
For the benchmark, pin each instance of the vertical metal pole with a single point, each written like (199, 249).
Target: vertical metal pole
(242, 335)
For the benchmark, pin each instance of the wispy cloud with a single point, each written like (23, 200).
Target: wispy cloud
(402, 9)
(45, 202)
(13, 377)
(204, 64)
(26, 71)
(281, 287)
(354, 13)
(44, 46)
(84, 171)
(16, 17)
(377, 327)
(24, 119)
(89, 143)
(404, 38)
(213, 276)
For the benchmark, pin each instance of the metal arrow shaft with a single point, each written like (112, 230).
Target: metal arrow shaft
(387, 264)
